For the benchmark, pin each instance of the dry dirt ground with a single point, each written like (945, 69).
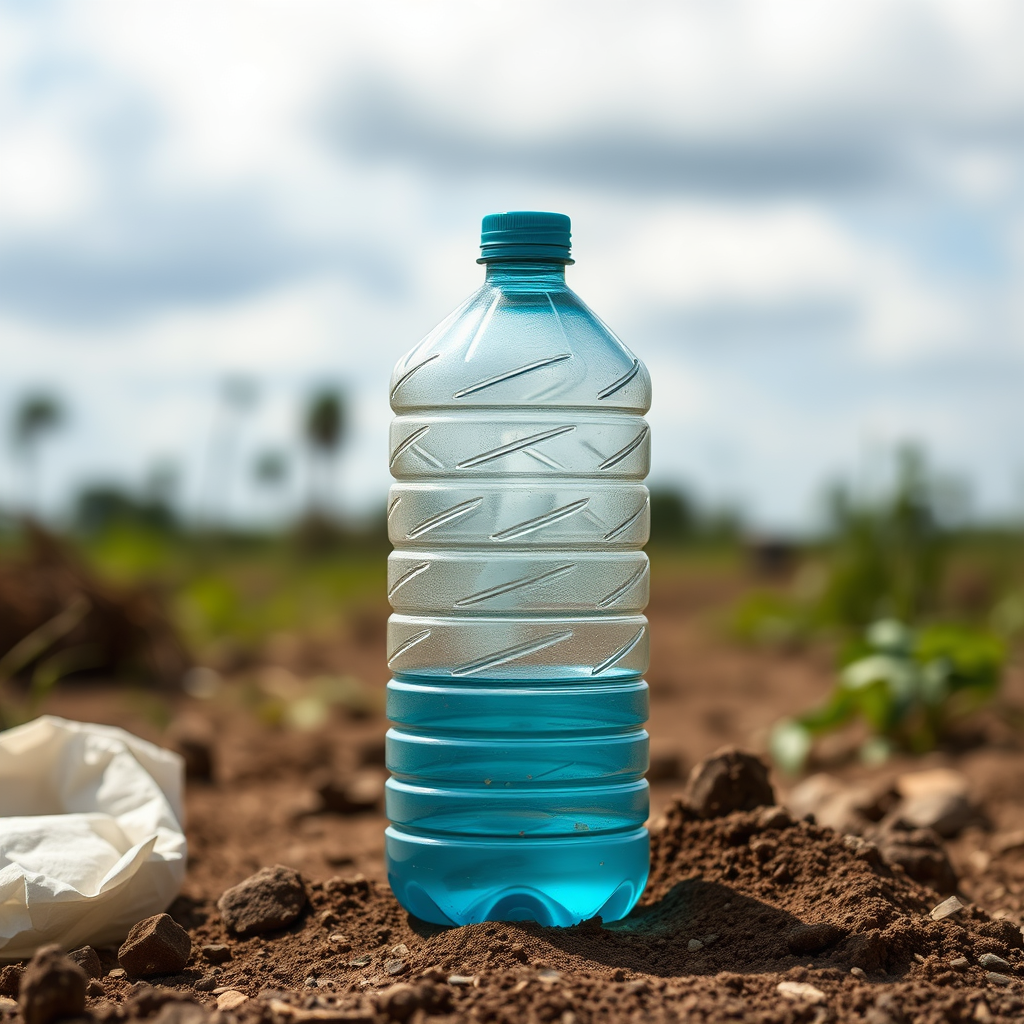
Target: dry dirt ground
(753, 916)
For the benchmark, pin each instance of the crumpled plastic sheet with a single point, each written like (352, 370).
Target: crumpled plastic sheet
(91, 838)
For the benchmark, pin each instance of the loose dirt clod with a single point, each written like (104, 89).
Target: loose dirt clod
(729, 780)
(10, 979)
(52, 988)
(272, 898)
(158, 945)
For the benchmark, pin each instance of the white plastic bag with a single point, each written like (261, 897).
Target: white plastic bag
(91, 839)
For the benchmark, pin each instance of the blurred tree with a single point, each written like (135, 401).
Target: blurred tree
(36, 415)
(270, 471)
(672, 516)
(325, 427)
(889, 555)
(101, 507)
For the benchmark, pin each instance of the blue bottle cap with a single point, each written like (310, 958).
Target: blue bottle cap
(525, 234)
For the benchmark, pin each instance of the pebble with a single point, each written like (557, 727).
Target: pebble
(993, 978)
(729, 780)
(694, 944)
(217, 953)
(920, 853)
(272, 898)
(460, 979)
(89, 960)
(991, 960)
(945, 813)
(157, 945)
(360, 961)
(858, 973)
(400, 950)
(394, 967)
(800, 991)
(117, 972)
(231, 1000)
(52, 987)
(959, 963)
(947, 908)
(399, 1001)
(95, 988)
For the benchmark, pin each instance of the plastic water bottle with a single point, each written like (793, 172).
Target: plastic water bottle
(518, 582)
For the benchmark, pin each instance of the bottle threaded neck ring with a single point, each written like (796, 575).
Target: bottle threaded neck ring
(525, 235)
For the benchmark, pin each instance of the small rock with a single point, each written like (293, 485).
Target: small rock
(10, 979)
(158, 945)
(394, 967)
(217, 953)
(231, 1000)
(945, 813)
(399, 1001)
(782, 875)
(858, 973)
(800, 992)
(272, 898)
(360, 961)
(117, 972)
(997, 979)
(729, 780)
(947, 908)
(959, 963)
(991, 960)
(6, 1003)
(52, 987)
(89, 960)
(774, 818)
(932, 780)
(808, 939)
(836, 804)
(181, 1013)
(400, 950)
(694, 944)
(920, 853)
(460, 980)
(95, 988)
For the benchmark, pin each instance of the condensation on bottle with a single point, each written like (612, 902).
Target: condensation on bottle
(518, 642)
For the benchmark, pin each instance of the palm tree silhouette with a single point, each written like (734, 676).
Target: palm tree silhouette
(37, 415)
(326, 422)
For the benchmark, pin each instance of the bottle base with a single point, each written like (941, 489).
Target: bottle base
(555, 882)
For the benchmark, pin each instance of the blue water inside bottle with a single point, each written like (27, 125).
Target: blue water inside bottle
(517, 753)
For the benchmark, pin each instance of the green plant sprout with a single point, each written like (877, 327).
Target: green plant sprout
(907, 687)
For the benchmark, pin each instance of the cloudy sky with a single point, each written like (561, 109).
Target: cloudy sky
(807, 218)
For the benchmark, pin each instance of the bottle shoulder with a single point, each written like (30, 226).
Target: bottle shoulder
(523, 346)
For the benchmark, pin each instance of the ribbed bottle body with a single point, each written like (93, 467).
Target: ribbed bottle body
(518, 640)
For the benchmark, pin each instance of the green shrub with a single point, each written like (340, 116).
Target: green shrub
(906, 687)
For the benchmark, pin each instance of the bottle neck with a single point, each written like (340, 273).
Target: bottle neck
(536, 272)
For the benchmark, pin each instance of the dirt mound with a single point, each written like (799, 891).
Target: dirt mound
(57, 619)
(753, 915)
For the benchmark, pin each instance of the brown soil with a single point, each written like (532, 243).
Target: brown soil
(735, 905)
